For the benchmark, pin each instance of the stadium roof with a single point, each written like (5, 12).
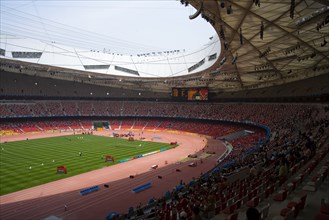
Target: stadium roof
(274, 42)
(153, 64)
(264, 43)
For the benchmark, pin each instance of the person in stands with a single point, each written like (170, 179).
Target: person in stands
(252, 214)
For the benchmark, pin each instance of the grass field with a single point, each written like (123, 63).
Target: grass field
(28, 163)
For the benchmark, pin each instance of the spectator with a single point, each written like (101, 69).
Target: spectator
(283, 170)
(182, 215)
(252, 214)
(253, 171)
(196, 213)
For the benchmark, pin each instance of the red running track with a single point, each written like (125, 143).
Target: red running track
(49, 199)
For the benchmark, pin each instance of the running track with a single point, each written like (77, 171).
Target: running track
(49, 199)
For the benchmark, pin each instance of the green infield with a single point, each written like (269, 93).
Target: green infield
(28, 163)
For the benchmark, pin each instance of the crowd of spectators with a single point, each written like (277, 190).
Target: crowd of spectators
(70, 108)
(85, 108)
(5, 111)
(227, 111)
(297, 132)
(39, 109)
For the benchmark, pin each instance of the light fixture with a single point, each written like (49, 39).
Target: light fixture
(221, 32)
(264, 66)
(257, 2)
(235, 58)
(222, 4)
(306, 57)
(292, 9)
(265, 53)
(320, 25)
(229, 10)
(208, 19)
(223, 61)
(226, 45)
(261, 33)
(184, 2)
(292, 49)
(241, 36)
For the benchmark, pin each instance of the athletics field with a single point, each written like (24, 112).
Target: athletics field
(28, 163)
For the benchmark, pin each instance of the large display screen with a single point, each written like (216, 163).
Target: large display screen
(190, 94)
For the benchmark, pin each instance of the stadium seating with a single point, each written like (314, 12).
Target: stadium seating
(245, 191)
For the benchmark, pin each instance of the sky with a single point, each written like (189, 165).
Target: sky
(128, 27)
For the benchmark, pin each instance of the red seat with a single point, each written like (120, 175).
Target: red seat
(281, 196)
(284, 212)
(289, 214)
(253, 202)
(294, 184)
(302, 204)
(282, 180)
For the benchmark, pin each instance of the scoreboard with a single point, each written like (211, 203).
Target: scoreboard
(190, 94)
